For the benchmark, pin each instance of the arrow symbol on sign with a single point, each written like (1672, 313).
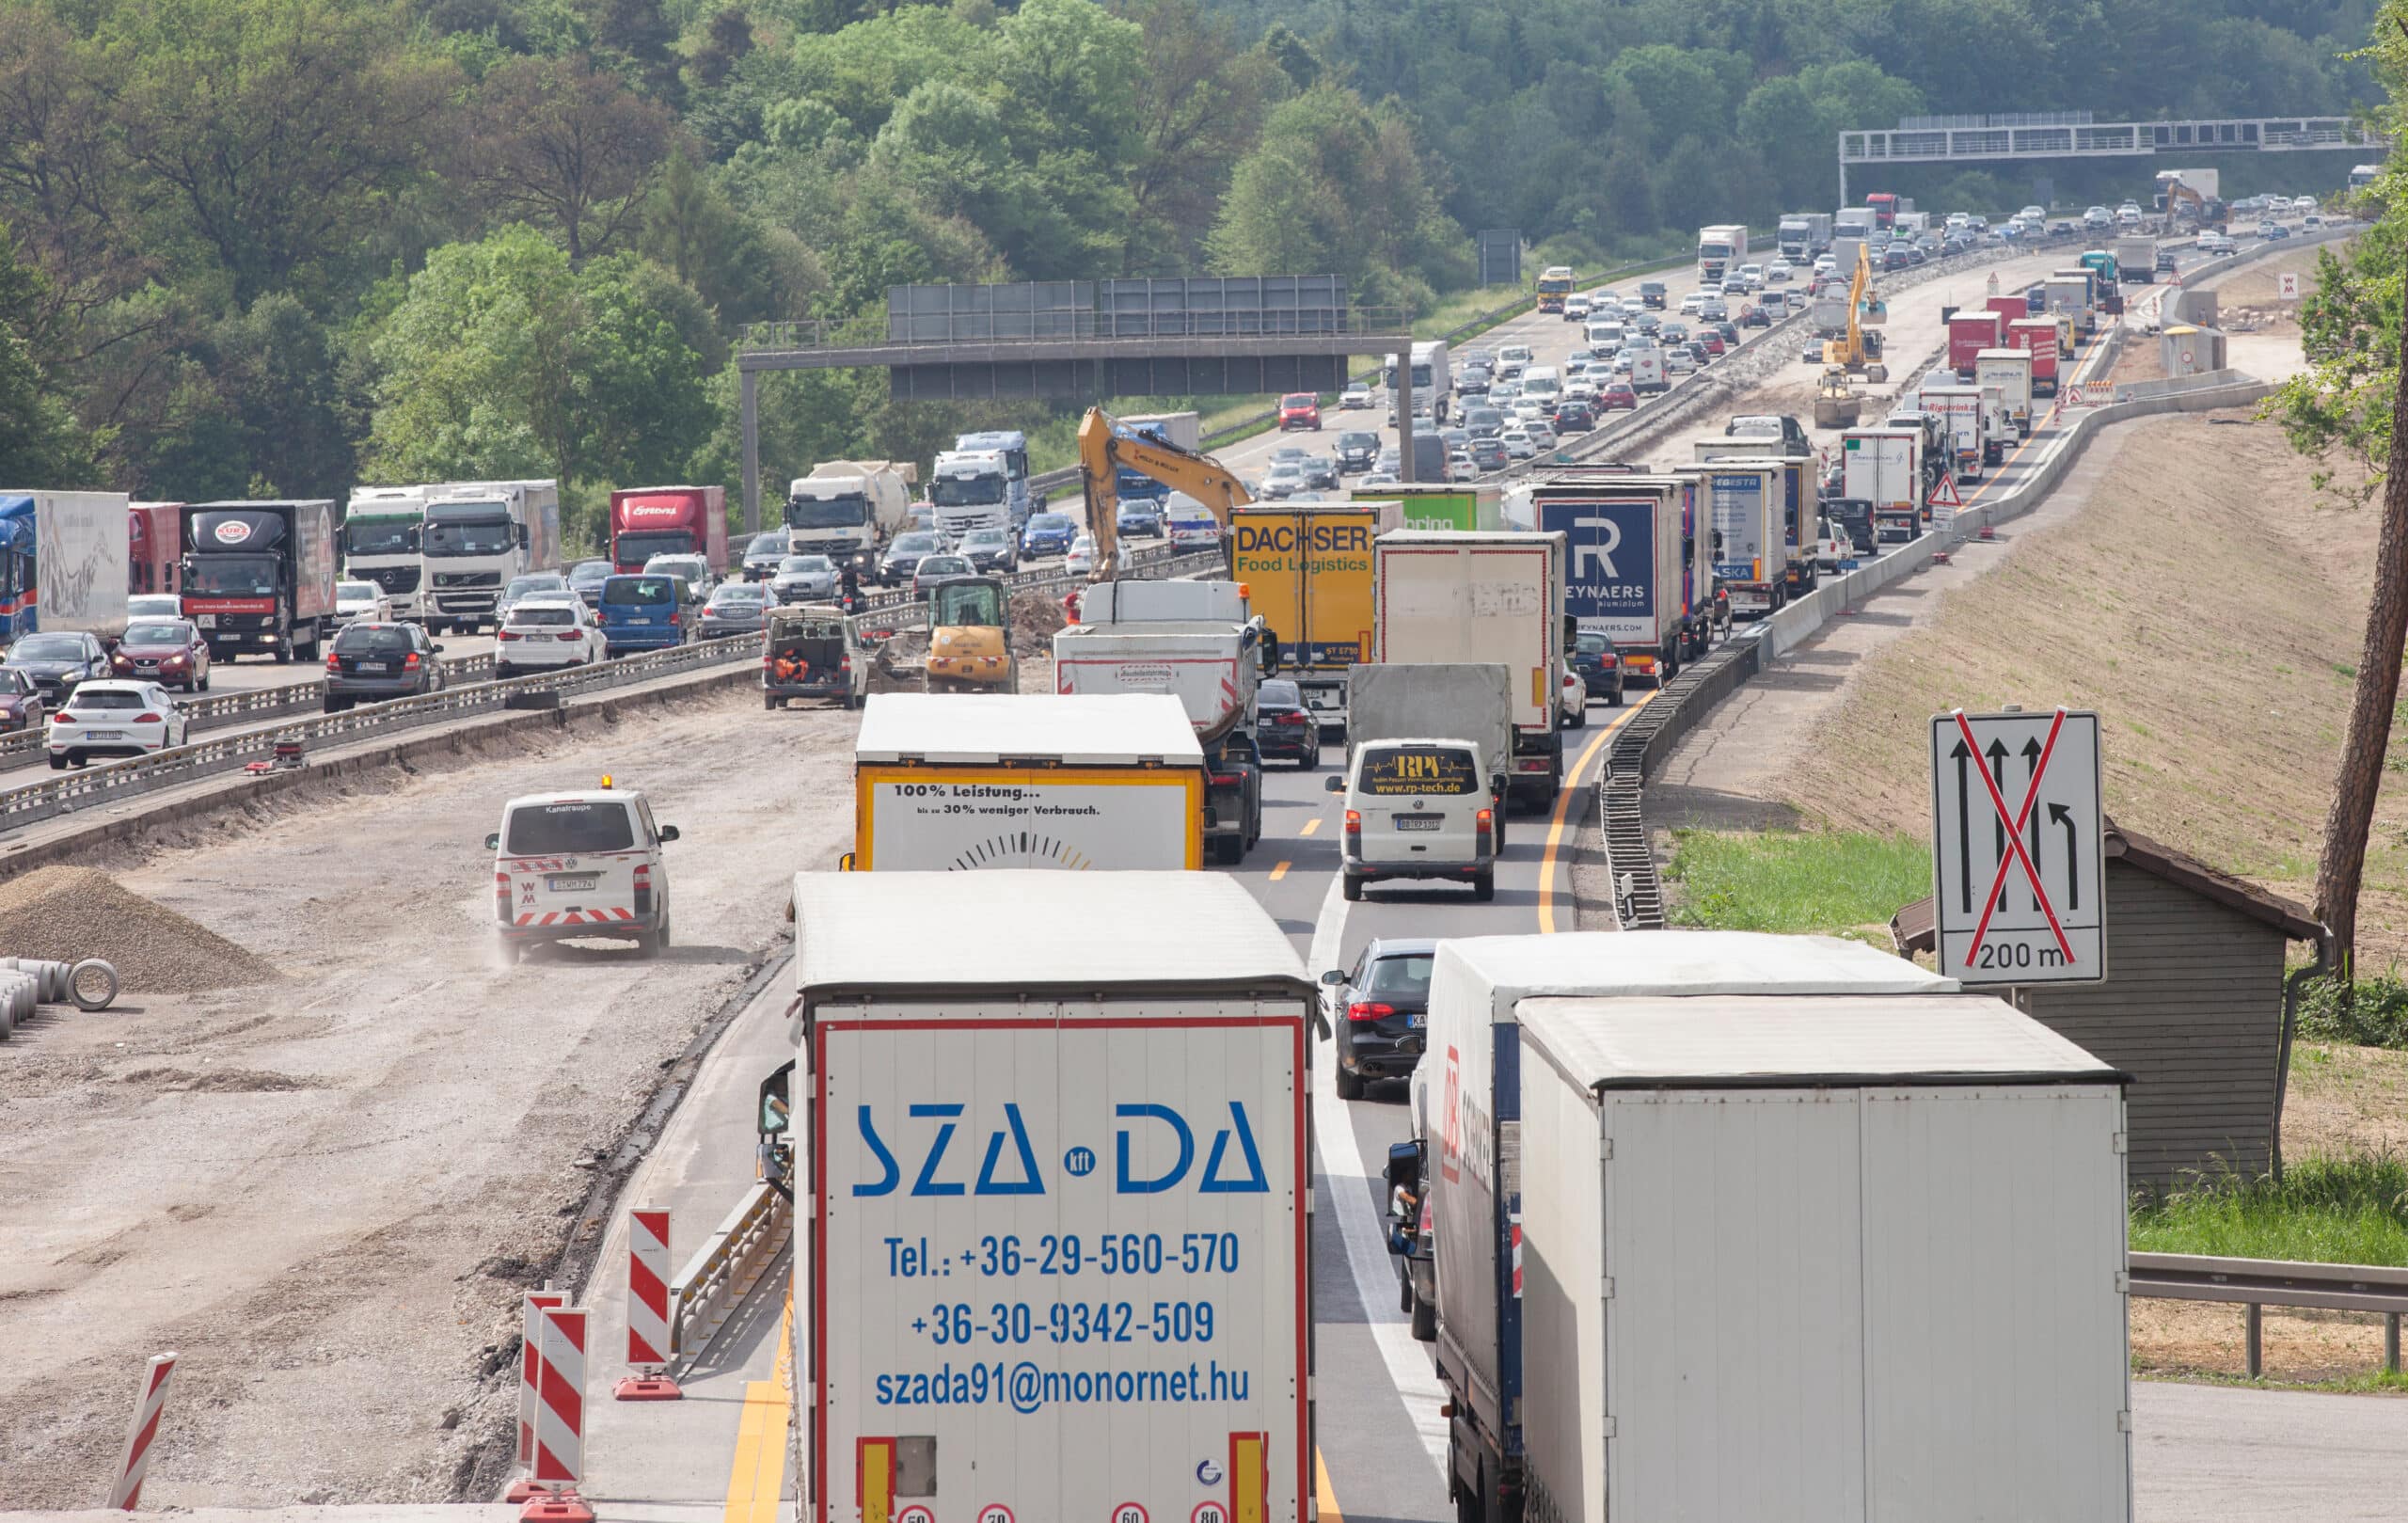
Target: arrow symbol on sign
(2031, 770)
(1964, 831)
(1997, 753)
(2073, 879)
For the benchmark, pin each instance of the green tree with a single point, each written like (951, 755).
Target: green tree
(576, 150)
(39, 442)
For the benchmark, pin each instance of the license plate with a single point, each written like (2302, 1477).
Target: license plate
(207, 621)
(564, 883)
(639, 621)
(1417, 823)
(104, 734)
(1417, 1020)
(373, 666)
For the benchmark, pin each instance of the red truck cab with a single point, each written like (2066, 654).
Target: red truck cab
(154, 543)
(646, 521)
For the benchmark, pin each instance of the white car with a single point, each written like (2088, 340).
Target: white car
(1542, 433)
(1443, 786)
(1580, 388)
(1193, 529)
(1517, 442)
(112, 717)
(1516, 354)
(1690, 303)
(1778, 271)
(1079, 562)
(546, 631)
(1825, 263)
(1575, 308)
(2303, 203)
(1358, 394)
(2215, 243)
(361, 600)
(696, 569)
(2034, 213)
(143, 606)
(2129, 218)
(570, 865)
(1679, 361)
(1753, 276)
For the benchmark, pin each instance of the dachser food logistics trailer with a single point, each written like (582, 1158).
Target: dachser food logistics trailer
(1057, 1262)
(955, 781)
(1759, 1178)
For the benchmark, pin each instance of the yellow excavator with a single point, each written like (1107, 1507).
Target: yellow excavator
(1860, 351)
(1104, 452)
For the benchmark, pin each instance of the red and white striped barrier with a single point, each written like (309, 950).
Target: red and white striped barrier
(549, 1494)
(648, 1309)
(530, 1336)
(126, 1495)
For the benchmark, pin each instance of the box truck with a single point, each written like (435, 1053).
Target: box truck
(1960, 412)
(1884, 467)
(646, 521)
(1634, 1144)
(1634, 569)
(154, 543)
(1053, 1260)
(2038, 337)
(1197, 642)
(1802, 235)
(478, 535)
(1748, 542)
(69, 562)
(1433, 701)
(1721, 250)
(1434, 384)
(260, 576)
(948, 782)
(1308, 567)
(846, 509)
(1446, 597)
(1970, 333)
(2136, 260)
(1467, 507)
(1180, 430)
(2074, 293)
(2011, 371)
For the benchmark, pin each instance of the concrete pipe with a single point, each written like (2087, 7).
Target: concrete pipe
(93, 985)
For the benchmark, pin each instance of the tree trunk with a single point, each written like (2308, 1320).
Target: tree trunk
(2352, 817)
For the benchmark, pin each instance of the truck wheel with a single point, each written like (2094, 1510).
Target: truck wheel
(1425, 1322)
(1351, 885)
(770, 700)
(284, 651)
(1228, 851)
(1350, 1085)
(1483, 888)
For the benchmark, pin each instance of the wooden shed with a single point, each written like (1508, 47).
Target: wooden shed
(2192, 1008)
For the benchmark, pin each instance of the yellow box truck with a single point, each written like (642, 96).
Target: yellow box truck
(1308, 572)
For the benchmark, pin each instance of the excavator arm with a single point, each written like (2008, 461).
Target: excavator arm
(1102, 454)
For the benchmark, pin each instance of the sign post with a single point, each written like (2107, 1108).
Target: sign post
(2019, 889)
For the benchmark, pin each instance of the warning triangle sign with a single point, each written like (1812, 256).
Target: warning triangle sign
(1944, 495)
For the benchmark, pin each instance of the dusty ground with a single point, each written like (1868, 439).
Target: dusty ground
(327, 1191)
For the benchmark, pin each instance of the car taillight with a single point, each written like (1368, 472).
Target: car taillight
(506, 634)
(334, 663)
(1488, 823)
(1609, 659)
(410, 663)
(501, 896)
(568, 634)
(149, 718)
(675, 617)
(643, 888)
(1353, 827)
(1360, 1010)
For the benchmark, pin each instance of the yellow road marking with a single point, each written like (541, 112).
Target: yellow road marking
(1279, 872)
(1311, 825)
(1327, 1498)
(1563, 813)
(758, 1472)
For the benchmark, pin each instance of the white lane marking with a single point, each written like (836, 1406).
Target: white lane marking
(1367, 1248)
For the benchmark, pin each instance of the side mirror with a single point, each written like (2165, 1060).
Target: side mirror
(437, 649)
(771, 1111)
(845, 863)
(1404, 1166)
(668, 834)
(1332, 785)
(1334, 976)
(493, 842)
(522, 536)
(1571, 633)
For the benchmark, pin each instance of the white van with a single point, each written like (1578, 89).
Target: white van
(1647, 370)
(568, 866)
(1543, 382)
(1418, 809)
(1517, 354)
(1606, 335)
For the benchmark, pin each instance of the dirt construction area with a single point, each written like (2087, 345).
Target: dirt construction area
(324, 1169)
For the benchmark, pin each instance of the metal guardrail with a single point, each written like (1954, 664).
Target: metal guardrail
(1083, 327)
(106, 781)
(2259, 1283)
(722, 1273)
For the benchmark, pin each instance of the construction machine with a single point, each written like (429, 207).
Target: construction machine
(970, 638)
(1104, 454)
(1836, 404)
(1859, 351)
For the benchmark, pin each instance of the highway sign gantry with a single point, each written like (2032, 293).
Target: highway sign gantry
(2018, 895)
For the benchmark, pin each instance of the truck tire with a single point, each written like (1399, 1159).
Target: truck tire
(1351, 885)
(1425, 1320)
(1483, 888)
(1228, 851)
(1350, 1085)
(284, 651)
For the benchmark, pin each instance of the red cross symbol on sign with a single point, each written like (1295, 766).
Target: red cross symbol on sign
(2014, 839)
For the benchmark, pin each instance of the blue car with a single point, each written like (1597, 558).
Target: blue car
(1141, 519)
(1048, 533)
(1598, 664)
(644, 612)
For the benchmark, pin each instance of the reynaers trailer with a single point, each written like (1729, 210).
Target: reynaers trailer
(1634, 567)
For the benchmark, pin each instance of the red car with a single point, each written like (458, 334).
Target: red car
(172, 652)
(1713, 341)
(1300, 409)
(1617, 394)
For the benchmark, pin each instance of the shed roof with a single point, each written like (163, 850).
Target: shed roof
(1911, 926)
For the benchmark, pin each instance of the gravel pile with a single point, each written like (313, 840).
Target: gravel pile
(70, 914)
(1037, 618)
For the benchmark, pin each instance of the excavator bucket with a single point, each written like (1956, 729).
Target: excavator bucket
(1872, 314)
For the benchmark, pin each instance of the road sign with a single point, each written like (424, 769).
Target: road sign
(2286, 285)
(1944, 494)
(2018, 892)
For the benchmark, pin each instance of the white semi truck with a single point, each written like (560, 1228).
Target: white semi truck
(1054, 1200)
(970, 490)
(846, 509)
(381, 531)
(479, 534)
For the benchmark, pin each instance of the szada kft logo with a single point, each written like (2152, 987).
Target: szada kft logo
(1007, 1164)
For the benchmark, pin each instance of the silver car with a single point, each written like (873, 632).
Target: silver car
(736, 608)
(804, 578)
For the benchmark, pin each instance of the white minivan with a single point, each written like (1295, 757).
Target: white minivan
(569, 865)
(1418, 809)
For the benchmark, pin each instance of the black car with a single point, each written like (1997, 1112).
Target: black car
(1356, 451)
(1377, 1010)
(1599, 664)
(1756, 316)
(586, 578)
(373, 662)
(1730, 332)
(57, 662)
(1285, 729)
(762, 556)
(1575, 418)
(903, 557)
(1321, 474)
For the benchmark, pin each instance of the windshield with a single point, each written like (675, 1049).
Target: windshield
(47, 648)
(242, 575)
(548, 583)
(830, 513)
(773, 544)
(806, 566)
(920, 543)
(630, 591)
(635, 549)
(985, 537)
(588, 573)
(557, 830)
(1594, 644)
(1280, 694)
(380, 536)
(940, 566)
(541, 613)
(487, 533)
(89, 698)
(967, 603)
(349, 590)
(1394, 770)
(1394, 976)
(1049, 522)
(374, 639)
(956, 492)
(159, 634)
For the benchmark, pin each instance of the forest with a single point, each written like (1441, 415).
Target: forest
(278, 247)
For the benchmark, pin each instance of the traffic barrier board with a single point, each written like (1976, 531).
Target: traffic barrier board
(648, 1308)
(2018, 849)
(530, 1337)
(141, 1434)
